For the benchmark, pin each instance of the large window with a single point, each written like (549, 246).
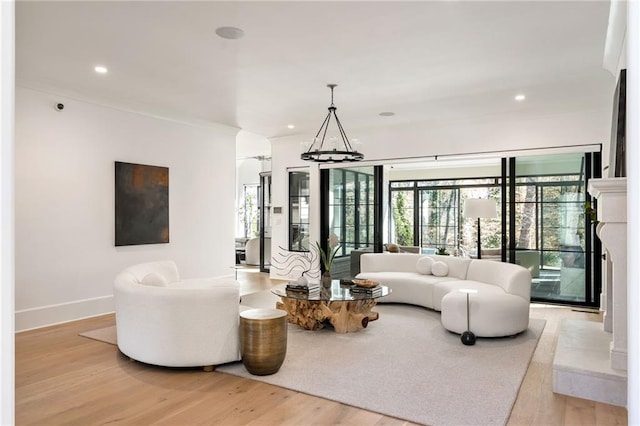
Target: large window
(542, 225)
(248, 214)
(440, 218)
(351, 207)
(428, 214)
(299, 211)
(402, 216)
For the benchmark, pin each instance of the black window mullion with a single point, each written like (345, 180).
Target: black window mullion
(324, 210)
(343, 210)
(512, 213)
(417, 222)
(377, 208)
(587, 234)
(539, 229)
(356, 208)
(503, 195)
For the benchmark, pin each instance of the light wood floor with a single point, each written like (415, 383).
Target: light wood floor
(65, 379)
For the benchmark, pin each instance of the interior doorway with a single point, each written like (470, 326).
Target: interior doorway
(265, 221)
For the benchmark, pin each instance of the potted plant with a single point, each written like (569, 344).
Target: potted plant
(442, 251)
(327, 258)
(591, 212)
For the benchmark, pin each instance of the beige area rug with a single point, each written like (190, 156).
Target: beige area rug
(404, 365)
(107, 334)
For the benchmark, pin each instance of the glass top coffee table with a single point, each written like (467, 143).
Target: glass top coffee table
(337, 305)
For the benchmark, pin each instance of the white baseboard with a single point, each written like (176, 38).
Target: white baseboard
(29, 319)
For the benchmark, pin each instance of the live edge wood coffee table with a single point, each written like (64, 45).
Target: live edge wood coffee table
(337, 305)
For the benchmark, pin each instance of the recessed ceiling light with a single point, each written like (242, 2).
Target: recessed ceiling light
(387, 114)
(520, 97)
(100, 69)
(230, 33)
(291, 126)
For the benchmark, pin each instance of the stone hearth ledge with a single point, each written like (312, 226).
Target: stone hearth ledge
(581, 366)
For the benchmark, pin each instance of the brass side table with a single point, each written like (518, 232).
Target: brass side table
(263, 340)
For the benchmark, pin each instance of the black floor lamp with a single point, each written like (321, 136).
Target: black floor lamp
(468, 338)
(480, 208)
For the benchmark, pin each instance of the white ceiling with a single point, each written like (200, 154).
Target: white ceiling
(425, 61)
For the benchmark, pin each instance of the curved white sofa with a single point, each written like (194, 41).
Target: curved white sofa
(500, 308)
(166, 321)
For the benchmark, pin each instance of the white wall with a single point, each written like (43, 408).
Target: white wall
(253, 155)
(7, 62)
(493, 133)
(65, 255)
(251, 145)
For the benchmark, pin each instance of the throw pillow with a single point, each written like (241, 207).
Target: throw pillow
(154, 279)
(424, 265)
(392, 248)
(440, 269)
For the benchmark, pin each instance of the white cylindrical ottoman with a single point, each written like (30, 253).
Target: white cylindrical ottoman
(490, 314)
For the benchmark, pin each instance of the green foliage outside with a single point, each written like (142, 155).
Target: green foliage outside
(403, 221)
(248, 212)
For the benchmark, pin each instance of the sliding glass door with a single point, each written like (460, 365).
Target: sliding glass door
(541, 222)
(351, 210)
(553, 237)
(265, 221)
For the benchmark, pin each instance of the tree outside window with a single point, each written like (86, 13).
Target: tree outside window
(248, 213)
(403, 217)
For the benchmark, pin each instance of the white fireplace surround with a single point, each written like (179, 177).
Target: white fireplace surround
(591, 359)
(611, 194)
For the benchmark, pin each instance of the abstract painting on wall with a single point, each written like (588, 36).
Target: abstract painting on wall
(142, 204)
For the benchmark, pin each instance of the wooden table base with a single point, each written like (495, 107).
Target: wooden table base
(344, 316)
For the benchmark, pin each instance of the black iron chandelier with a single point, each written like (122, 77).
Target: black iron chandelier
(317, 151)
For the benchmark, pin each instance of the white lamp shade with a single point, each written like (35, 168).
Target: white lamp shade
(480, 208)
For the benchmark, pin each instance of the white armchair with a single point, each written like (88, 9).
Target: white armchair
(252, 251)
(165, 321)
(529, 259)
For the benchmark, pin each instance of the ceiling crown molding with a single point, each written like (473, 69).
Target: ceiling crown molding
(615, 57)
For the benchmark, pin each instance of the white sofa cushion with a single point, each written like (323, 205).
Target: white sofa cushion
(424, 264)
(442, 288)
(167, 268)
(458, 266)
(154, 279)
(403, 262)
(389, 262)
(440, 269)
(514, 279)
(407, 287)
(490, 314)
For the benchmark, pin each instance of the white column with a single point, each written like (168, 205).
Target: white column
(611, 194)
(633, 165)
(7, 85)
